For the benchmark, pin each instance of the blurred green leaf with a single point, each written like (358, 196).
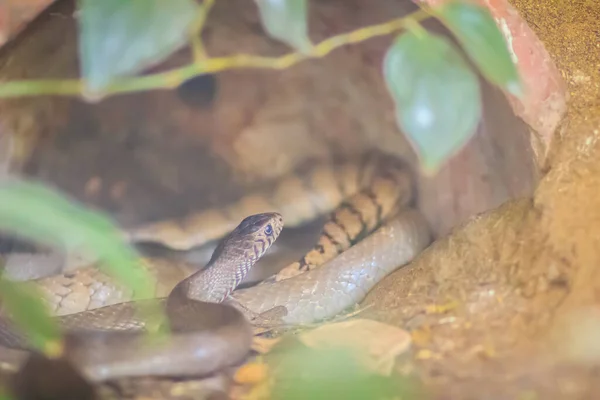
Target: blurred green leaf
(4, 394)
(477, 32)
(119, 38)
(30, 315)
(286, 20)
(304, 373)
(437, 95)
(37, 213)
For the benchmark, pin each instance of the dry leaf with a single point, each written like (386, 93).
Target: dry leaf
(426, 354)
(252, 373)
(252, 382)
(441, 308)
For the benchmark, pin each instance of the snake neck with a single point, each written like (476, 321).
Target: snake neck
(232, 259)
(214, 283)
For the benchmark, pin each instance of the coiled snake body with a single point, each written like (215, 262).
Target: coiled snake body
(370, 233)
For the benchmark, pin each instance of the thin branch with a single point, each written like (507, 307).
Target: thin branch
(198, 51)
(174, 77)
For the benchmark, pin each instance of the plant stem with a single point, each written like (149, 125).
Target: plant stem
(205, 65)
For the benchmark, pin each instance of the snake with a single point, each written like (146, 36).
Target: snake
(371, 230)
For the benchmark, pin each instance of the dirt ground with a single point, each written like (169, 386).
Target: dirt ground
(507, 306)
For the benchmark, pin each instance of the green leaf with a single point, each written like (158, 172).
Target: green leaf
(300, 372)
(20, 300)
(41, 214)
(475, 29)
(437, 95)
(4, 394)
(119, 38)
(286, 20)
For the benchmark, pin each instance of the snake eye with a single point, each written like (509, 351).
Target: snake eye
(269, 230)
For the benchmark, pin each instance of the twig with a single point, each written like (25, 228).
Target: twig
(198, 51)
(174, 77)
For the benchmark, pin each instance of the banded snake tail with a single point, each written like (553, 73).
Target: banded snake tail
(313, 190)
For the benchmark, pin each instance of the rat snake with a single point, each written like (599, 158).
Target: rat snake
(370, 232)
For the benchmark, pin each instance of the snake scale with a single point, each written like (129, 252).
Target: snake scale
(370, 232)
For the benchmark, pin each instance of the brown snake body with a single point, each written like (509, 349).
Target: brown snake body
(374, 187)
(201, 326)
(353, 253)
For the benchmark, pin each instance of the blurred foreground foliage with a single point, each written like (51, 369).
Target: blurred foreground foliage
(32, 211)
(426, 74)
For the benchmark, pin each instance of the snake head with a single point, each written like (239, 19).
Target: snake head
(260, 227)
(250, 239)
